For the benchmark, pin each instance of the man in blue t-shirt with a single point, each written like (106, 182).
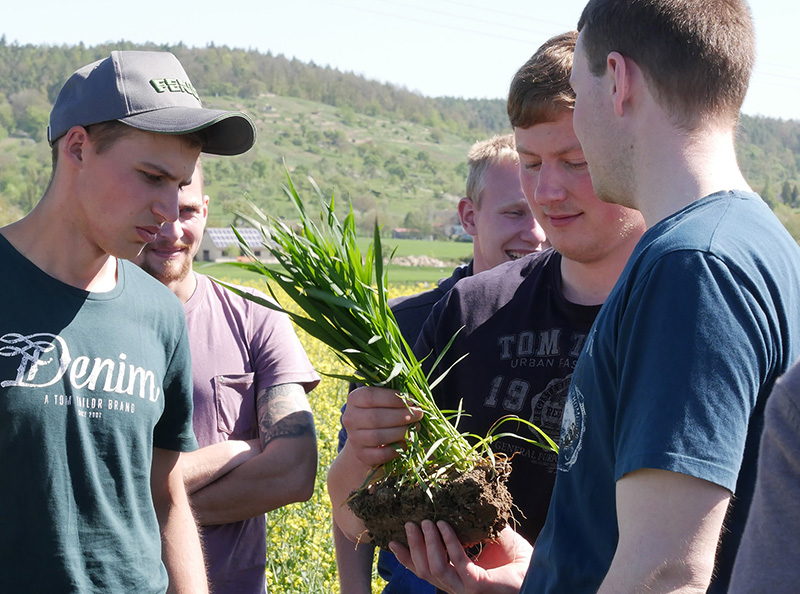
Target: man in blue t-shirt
(95, 374)
(666, 406)
(661, 431)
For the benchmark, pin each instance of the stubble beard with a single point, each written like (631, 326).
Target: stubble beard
(597, 248)
(169, 272)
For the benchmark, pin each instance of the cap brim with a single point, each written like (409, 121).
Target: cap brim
(228, 132)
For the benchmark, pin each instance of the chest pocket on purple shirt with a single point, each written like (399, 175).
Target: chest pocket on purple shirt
(234, 395)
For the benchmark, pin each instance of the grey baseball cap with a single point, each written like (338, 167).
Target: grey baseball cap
(149, 91)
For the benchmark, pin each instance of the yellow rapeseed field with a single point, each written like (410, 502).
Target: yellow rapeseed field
(300, 554)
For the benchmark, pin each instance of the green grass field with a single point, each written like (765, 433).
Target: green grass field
(398, 275)
(450, 252)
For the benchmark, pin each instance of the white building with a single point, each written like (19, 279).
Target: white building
(220, 243)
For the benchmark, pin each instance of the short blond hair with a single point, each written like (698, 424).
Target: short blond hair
(481, 156)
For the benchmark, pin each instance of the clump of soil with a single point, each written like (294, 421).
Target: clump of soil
(476, 504)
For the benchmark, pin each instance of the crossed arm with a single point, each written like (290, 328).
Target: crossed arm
(236, 480)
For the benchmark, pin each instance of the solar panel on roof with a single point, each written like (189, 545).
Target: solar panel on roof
(222, 237)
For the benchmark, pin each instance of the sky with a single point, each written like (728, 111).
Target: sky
(456, 48)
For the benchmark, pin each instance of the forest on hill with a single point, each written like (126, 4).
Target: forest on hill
(396, 156)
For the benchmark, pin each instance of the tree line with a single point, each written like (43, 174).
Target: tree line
(31, 76)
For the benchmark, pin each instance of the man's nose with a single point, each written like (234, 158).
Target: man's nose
(550, 185)
(166, 206)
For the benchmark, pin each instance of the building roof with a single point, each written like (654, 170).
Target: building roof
(223, 237)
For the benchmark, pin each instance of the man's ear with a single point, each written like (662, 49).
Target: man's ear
(466, 212)
(205, 207)
(619, 70)
(73, 145)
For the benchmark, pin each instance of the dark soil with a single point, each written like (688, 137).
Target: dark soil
(476, 504)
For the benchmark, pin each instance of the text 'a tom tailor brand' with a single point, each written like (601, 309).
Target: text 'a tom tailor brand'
(174, 85)
(90, 407)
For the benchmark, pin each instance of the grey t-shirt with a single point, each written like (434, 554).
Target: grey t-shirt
(239, 348)
(767, 556)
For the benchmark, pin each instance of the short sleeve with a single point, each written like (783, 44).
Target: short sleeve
(277, 356)
(174, 429)
(689, 377)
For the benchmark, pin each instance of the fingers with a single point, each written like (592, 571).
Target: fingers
(435, 554)
(438, 560)
(403, 555)
(418, 549)
(429, 559)
(455, 550)
(376, 418)
(371, 397)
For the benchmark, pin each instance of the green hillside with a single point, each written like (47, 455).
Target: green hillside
(403, 173)
(396, 156)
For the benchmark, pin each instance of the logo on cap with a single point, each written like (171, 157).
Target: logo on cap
(174, 85)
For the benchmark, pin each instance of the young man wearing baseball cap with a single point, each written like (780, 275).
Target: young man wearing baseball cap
(95, 376)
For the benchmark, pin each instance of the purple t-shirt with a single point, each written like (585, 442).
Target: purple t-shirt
(239, 348)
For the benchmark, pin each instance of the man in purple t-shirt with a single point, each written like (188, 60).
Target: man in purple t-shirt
(251, 418)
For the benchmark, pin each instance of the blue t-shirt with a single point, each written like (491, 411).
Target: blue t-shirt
(674, 376)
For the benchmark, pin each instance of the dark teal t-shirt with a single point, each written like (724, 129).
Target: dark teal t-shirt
(89, 384)
(674, 376)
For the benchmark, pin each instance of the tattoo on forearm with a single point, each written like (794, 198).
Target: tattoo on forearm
(283, 411)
